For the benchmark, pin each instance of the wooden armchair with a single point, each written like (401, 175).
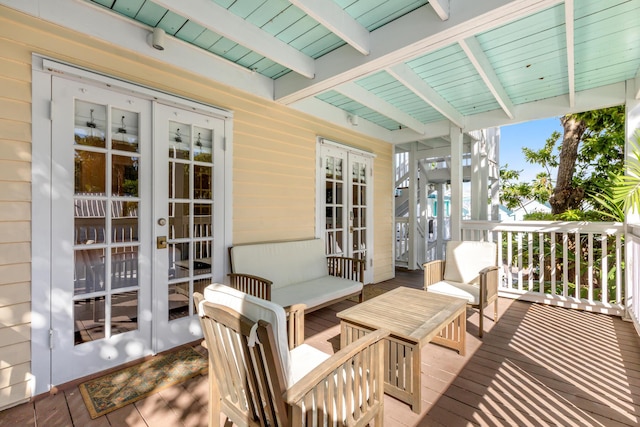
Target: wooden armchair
(255, 380)
(469, 272)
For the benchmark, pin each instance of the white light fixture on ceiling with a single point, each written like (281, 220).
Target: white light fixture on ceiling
(354, 120)
(156, 38)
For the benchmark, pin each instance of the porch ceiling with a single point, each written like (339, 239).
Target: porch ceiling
(406, 68)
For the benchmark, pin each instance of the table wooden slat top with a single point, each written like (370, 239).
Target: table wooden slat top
(423, 313)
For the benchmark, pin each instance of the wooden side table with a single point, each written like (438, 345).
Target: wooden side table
(414, 318)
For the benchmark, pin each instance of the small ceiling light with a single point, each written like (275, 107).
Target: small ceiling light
(354, 120)
(157, 38)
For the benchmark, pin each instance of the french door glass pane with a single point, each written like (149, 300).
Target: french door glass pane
(89, 319)
(124, 128)
(90, 124)
(124, 312)
(179, 140)
(90, 173)
(124, 176)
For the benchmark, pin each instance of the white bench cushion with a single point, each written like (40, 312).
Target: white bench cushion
(464, 260)
(455, 289)
(315, 292)
(283, 263)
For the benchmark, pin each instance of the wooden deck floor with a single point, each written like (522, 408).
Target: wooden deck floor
(538, 365)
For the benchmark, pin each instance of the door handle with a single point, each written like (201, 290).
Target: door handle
(161, 242)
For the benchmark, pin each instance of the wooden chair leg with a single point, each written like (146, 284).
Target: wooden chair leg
(481, 323)
(495, 310)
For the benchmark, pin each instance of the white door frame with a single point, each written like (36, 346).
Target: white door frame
(350, 153)
(42, 195)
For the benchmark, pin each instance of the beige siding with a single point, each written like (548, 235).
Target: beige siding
(273, 166)
(15, 226)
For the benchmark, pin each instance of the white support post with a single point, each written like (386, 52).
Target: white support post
(423, 220)
(440, 211)
(493, 138)
(455, 134)
(413, 207)
(476, 178)
(632, 260)
(483, 194)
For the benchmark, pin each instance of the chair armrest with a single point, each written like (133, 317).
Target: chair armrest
(347, 268)
(295, 324)
(433, 272)
(488, 283)
(252, 285)
(353, 374)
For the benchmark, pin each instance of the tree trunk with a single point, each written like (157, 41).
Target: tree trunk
(565, 196)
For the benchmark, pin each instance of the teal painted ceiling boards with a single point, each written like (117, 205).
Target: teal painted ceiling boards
(407, 68)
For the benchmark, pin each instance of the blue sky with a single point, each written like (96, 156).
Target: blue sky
(531, 135)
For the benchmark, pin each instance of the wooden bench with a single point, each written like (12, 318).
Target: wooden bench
(296, 275)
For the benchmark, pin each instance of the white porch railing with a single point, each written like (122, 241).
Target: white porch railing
(632, 298)
(569, 264)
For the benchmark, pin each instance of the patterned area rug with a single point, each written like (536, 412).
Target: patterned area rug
(117, 389)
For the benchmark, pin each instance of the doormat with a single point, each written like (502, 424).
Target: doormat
(117, 389)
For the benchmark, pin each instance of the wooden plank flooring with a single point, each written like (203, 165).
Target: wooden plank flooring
(538, 365)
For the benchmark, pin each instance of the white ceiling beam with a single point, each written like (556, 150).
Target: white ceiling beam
(321, 110)
(368, 99)
(441, 7)
(219, 20)
(481, 63)
(431, 130)
(336, 20)
(405, 75)
(94, 22)
(415, 33)
(571, 69)
(587, 100)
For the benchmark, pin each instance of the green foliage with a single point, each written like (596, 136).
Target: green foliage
(626, 188)
(600, 157)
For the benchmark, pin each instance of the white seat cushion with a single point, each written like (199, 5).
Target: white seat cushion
(303, 359)
(315, 292)
(456, 289)
(256, 309)
(464, 260)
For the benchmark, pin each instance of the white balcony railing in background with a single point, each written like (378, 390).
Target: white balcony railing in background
(402, 242)
(570, 264)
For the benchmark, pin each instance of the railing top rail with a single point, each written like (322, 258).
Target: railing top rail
(546, 226)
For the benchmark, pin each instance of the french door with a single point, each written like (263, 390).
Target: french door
(101, 256)
(188, 203)
(345, 195)
(135, 210)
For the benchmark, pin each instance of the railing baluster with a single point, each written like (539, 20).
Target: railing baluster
(519, 236)
(530, 266)
(553, 263)
(578, 256)
(565, 265)
(541, 278)
(604, 273)
(590, 265)
(618, 269)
